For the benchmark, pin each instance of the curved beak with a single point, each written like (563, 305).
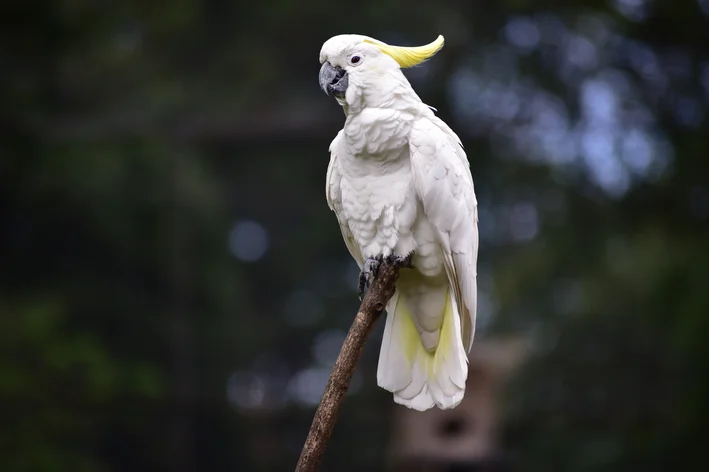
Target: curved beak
(333, 80)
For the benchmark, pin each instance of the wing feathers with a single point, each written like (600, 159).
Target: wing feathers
(444, 184)
(333, 191)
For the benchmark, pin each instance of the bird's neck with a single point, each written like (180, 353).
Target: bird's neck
(390, 90)
(378, 131)
(380, 115)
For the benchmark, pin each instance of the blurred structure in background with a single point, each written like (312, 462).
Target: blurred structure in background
(467, 438)
(174, 289)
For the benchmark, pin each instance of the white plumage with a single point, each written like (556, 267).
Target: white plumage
(399, 182)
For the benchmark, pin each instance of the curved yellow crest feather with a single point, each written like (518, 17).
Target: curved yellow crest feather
(409, 56)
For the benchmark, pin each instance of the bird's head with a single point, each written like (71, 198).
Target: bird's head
(353, 63)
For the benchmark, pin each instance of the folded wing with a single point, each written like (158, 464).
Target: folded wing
(443, 182)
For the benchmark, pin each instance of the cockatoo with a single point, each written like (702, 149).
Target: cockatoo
(400, 184)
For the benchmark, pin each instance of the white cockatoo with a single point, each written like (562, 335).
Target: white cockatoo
(400, 185)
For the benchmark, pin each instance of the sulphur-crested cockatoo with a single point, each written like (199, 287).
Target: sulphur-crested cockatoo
(400, 185)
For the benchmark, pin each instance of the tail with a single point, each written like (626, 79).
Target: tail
(421, 378)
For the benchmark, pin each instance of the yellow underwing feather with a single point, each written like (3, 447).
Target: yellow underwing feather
(409, 56)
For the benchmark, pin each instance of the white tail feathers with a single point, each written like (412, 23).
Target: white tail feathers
(420, 379)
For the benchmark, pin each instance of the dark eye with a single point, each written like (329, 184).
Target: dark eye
(355, 59)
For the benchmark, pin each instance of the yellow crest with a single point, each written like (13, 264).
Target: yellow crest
(409, 57)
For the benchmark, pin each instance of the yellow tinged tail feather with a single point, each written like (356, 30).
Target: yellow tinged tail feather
(418, 378)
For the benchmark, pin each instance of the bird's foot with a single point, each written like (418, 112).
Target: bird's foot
(371, 266)
(402, 262)
(367, 274)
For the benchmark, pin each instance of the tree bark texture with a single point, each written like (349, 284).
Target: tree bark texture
(373, 304)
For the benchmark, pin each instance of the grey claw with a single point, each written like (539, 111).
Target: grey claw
(403, 262)
(369, 271)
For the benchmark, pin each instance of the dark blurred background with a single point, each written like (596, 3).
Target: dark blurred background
(175, 289)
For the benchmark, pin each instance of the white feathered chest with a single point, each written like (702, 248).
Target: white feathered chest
(379, 202)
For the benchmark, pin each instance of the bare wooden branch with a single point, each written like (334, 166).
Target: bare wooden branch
(372, 306)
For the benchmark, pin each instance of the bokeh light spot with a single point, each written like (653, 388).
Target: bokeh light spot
(248, 241)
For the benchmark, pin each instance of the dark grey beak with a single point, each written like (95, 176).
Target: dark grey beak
(333, 80)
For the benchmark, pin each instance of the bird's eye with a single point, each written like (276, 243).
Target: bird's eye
(355, 59)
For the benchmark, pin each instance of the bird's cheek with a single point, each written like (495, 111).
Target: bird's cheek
(352, 94)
